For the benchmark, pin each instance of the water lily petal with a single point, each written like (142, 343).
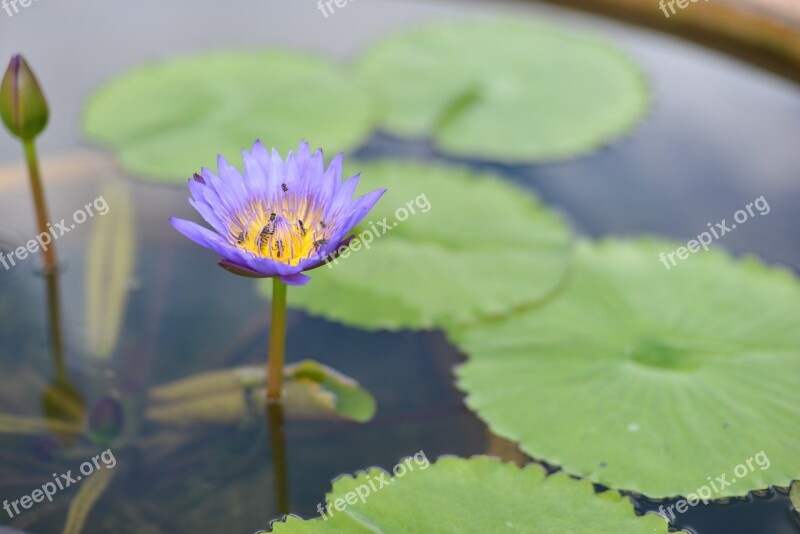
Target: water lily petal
(240, 270)
(298, 279)
(204, 237)
(278, 218)
(362, 206)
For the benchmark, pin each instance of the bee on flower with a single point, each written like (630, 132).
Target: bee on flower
(281, 217)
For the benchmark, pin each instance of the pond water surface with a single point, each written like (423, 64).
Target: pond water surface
(720, 134)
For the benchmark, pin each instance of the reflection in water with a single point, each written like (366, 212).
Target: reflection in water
(277, 440)
(182, 325)
(61, 400)
(9, 237)
(106, 420)
(110, 261)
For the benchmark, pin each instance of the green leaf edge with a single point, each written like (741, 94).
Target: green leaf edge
(748, 261)
(623, 131)
(264, 289)
(533, 472)
(130, 169)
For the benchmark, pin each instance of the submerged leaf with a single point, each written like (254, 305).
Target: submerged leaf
(311, 391)
(33, 426)
(444, 246)
(647, 379)
(164, 121)
(313, 388)
(216, 397)
(504, 90)
(476, 495)
(89, 493)
(110, 261)
(195, 386)
(106, 419)
(65, 410)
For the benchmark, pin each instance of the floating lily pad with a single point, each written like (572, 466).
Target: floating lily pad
(504, 90)
(477, 495)
(794, 495)
(311, 391)
(475, 247)
(166, 120)
(647, 379)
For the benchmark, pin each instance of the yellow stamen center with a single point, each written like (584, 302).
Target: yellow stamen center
(287, 230)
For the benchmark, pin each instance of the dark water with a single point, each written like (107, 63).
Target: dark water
(720, 135)
(185, 316)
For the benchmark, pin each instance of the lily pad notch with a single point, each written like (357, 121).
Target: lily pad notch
(504, 90)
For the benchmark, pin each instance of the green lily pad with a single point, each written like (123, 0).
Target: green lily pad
(794, 495)
(475, 247)
(647, 379)
(504, 90)
(312, 391)
(476, 495)
(166, 120)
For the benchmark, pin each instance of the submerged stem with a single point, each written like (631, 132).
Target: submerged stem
(40, 203)
(277, 340)
(278, 446)
(54, 308)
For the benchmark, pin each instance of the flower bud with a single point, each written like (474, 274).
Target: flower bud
(107, 419)
(23, 107)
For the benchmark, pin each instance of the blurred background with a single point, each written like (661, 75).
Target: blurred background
(722, 130)
(719, 126)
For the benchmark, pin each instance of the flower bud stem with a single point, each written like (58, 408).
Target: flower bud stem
(277, 340)
(40, 203)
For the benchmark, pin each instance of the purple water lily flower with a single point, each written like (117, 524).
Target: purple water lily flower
(281, 218)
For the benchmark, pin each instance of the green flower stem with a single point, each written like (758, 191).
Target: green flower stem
(277, 340)
(39, 201)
